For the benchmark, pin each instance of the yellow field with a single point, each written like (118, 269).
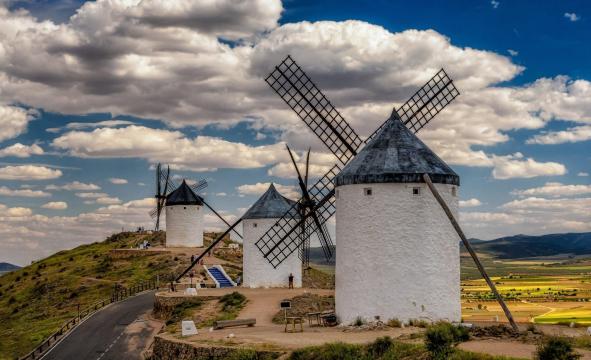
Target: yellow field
(536, 291)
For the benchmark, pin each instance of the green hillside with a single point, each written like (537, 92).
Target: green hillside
(37, 299)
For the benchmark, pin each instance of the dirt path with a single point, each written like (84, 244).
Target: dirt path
(262, 305)
(508, 348)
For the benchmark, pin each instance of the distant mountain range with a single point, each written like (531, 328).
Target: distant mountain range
(6, 267)
(514, 247)
(525, 246)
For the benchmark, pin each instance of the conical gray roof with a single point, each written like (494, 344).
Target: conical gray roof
(270, 205)
(183, 195)
(396, 155)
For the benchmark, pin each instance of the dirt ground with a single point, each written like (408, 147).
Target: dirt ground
(264, 303)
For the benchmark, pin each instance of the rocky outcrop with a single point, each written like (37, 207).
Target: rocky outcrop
(168, 349)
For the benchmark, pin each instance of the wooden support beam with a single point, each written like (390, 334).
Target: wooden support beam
(466, 243)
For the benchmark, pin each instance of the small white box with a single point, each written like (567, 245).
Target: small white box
(191, 291)
(189, 328)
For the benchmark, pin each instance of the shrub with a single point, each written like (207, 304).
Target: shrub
(334, 351)
(395, 323)
(418, 323)
(379, 347)
(556, 348)
(358, 321)
(441, 338)
(232, 301)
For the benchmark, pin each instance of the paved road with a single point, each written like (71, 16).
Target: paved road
(120, 331)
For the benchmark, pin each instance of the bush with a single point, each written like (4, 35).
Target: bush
(379, 347)
(418, 323)
(358, 321)
(334, 351)
(232, 301)
(441, 338)
(395, 323)
(556, 348)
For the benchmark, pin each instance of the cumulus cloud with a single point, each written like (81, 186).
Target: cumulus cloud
(512, 52)
(516, 166)
(27, 236)
(28, 172)
(5, 191)
(90, 125)
(470, 203)
(91, 195)
(259, 188)
(55, 205)
(156, 145)
(13, 119)
(532, 216)
(21, 151)
(571, 16)
(118, 181)
(125, 57)
(555, 189)
(107, 200)
(582, 173)
(73, 186)
(15, 212)
(573, 134)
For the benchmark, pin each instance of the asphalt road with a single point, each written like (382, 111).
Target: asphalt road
(119, 331)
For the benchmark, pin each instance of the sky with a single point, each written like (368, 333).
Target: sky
(94, 94)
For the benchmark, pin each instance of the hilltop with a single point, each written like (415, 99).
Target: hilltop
(37, 299)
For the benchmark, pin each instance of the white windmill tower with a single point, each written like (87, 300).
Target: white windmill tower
(262, 215)
(398, 254)
(184, 210)
(184, 218)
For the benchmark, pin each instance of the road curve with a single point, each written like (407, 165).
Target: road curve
(106, 334)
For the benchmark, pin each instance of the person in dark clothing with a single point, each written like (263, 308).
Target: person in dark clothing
(290, 280)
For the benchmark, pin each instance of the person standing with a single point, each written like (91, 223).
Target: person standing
(290, 280)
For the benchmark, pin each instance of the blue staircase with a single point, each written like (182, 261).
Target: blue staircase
(219, 277)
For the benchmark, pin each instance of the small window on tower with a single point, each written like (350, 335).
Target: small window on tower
(184, 207)
(367, 191)
(416, 191)
(254, 224)
(454, 191)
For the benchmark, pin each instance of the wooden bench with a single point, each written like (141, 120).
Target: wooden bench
(294, 320)
(222, 324)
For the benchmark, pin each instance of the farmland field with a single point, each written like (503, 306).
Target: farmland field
(553, 290)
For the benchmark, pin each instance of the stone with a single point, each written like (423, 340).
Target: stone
(189, 328)
(589, 331)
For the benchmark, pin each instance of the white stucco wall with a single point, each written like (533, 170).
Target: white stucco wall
(257, 271)
(184, 225)
(397, 254)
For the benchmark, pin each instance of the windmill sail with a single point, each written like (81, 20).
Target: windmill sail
(299, 92)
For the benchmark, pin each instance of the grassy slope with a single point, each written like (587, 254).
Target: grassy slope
(37, 299)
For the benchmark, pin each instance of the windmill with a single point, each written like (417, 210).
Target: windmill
(300, 93)
(306, 209)
(166, 186)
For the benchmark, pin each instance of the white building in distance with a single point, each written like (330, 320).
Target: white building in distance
(398, 255)
(184, 218)
(257, 271)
